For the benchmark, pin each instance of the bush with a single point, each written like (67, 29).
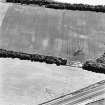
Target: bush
(97, 65)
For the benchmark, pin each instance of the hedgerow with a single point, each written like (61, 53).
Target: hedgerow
(32, 57)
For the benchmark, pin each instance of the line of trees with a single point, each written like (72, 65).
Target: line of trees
(58, 5)
(33, 57)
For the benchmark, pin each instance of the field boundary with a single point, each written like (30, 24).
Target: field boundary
(59, 5)
(32, 57)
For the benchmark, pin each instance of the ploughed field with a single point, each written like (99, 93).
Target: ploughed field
(31, 83)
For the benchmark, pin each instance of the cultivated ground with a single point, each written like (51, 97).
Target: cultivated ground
(62, 33)
(30, 83)
(27, 83)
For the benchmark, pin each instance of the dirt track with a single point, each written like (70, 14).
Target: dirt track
(3, 9)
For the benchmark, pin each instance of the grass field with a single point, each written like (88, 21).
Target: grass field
(30, 83)
(46, 31)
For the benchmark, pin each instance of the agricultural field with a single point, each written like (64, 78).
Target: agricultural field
(75, 35)
(99, 102)
(30, 83)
